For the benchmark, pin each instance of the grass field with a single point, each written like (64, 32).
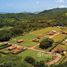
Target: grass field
(45, 31)
(59, 37)
(29, 37)
(37, 55)
(27, 41)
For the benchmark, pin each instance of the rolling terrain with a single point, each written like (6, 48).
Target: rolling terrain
(22, 33)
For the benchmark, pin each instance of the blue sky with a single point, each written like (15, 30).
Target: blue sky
(30, 5)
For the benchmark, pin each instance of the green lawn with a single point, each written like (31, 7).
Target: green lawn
(28, 37)
(27, 40)
(37, 55)
(59, 37)
(19, 58)
(45, 30)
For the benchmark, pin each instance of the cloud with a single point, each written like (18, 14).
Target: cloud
(62, 6)
(60, 1)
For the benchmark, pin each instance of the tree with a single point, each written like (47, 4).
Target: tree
(46, 43)
(40, 64)
(30, 60)
(5, 35)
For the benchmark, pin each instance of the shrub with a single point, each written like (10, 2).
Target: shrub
(46, 43)
(30, 60)
(40, 64)
(5, 35)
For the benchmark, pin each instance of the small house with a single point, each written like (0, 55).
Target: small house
(52, 32)
(18, 50)
(12, 47)
(20, 41)
(35, 40)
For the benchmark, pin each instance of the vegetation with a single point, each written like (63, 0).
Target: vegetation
(40, 64)
(46, 43)
(5, 35)
(30, 60)
(34, 63)
(25, 22)
(16, 26)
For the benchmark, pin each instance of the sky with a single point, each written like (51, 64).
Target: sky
(13, 6)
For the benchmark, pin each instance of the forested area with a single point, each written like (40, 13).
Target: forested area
(14, 24)
(25, 22)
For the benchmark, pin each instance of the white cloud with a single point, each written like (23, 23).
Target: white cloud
(60, 1)
(62, 6)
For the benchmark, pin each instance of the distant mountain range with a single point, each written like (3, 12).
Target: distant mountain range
(54, 10)
(26, 22)
(52, 16)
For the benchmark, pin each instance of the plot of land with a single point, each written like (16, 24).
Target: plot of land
(27, 42)
(37, 55)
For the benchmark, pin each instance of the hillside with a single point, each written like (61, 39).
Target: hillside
(25, 22)
(56, 16)
(34, 40)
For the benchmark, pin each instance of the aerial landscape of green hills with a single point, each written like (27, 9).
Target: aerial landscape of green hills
(34, 39)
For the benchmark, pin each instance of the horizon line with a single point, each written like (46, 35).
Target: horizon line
(32, 11)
